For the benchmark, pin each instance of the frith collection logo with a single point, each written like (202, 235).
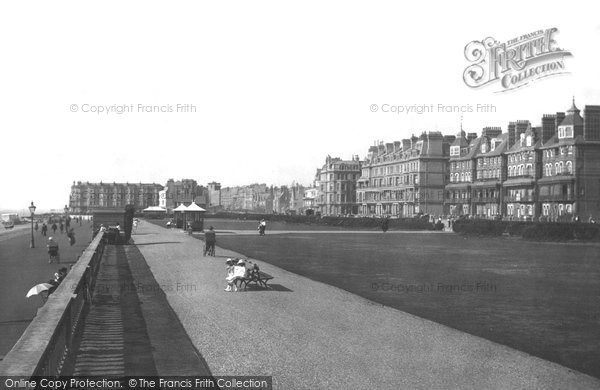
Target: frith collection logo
(515, 63)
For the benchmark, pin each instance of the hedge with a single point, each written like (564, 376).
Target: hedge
(550, 231)
(345, 222)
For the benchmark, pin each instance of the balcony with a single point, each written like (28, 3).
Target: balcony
(486, 200)
(557, 198)
(522, 198)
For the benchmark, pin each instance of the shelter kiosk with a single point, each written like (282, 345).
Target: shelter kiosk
(180, 216)
(154, 212)
(194, 215)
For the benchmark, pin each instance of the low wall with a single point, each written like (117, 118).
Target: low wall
(44, 347)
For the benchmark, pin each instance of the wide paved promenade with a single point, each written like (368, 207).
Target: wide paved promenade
(308, 334)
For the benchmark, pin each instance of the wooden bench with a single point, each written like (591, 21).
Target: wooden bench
(256, 277)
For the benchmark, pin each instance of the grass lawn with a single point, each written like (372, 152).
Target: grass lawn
(541, 298)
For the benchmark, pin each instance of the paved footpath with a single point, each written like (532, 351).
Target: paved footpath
(307, 334)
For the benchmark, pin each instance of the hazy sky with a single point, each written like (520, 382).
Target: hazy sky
(277, 87)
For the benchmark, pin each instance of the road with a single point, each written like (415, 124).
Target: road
(22, 267)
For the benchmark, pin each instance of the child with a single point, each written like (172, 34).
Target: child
(230, 268)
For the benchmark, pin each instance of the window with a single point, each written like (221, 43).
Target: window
(455, 151)
(569, 166)
(557, 168)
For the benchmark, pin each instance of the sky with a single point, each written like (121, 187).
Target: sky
(276, 86)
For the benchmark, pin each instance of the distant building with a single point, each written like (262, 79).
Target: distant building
(337, 186)
(185, 192)
(404, 179)
(309, 201)
(214, 196)
(86, 197)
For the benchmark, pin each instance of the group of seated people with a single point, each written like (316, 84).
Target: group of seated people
(236, 269)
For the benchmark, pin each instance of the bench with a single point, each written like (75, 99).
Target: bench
(256, 277)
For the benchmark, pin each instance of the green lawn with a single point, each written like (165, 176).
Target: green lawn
(541, 298)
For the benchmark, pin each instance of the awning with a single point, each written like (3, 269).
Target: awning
(458, 186)
(486, 184)
(518, 182)
(556, 179)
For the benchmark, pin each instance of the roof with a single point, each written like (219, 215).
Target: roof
(194, 207)
(498, 150)
(154, 208)
(181, 207)
(555, 141)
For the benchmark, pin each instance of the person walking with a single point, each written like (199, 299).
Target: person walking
(210, 240)
(71, 235)
(53, 251)
(385, 225)
(262, 226)
(44, 229)
(36, 226)
(61, 226)
(54, 227)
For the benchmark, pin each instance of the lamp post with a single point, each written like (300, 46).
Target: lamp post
(32, 211)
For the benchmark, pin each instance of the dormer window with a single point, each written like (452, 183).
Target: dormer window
(565, 132)
(455, 150)
(483, 148)
(528, 140)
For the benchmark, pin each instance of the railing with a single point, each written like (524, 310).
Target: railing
(46, 344)
(523, 198)
(559, 197)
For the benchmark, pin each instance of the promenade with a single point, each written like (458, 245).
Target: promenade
(307, 334)
(23, 267)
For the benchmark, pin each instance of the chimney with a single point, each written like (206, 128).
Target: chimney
(521, 128)
(591, 123)
(397, 146)
(471, 137)
(405, 144)
(491, 132)
(511, 134)
(372, 152)
(560, 116)
(413, 140)
(548, 127)
(380, 148)
(536, 133)
(389, 147)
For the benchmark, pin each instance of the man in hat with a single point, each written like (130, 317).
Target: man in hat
(210, 240)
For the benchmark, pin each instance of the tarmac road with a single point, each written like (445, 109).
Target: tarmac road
(22, 267)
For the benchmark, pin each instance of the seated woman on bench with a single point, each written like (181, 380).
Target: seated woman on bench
(234, 272)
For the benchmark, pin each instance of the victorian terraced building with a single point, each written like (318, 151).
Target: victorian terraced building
(550, 172)
(404, 179)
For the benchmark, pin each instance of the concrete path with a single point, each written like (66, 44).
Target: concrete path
(308, 334)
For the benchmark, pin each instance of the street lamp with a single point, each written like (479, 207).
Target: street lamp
(32, 211)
